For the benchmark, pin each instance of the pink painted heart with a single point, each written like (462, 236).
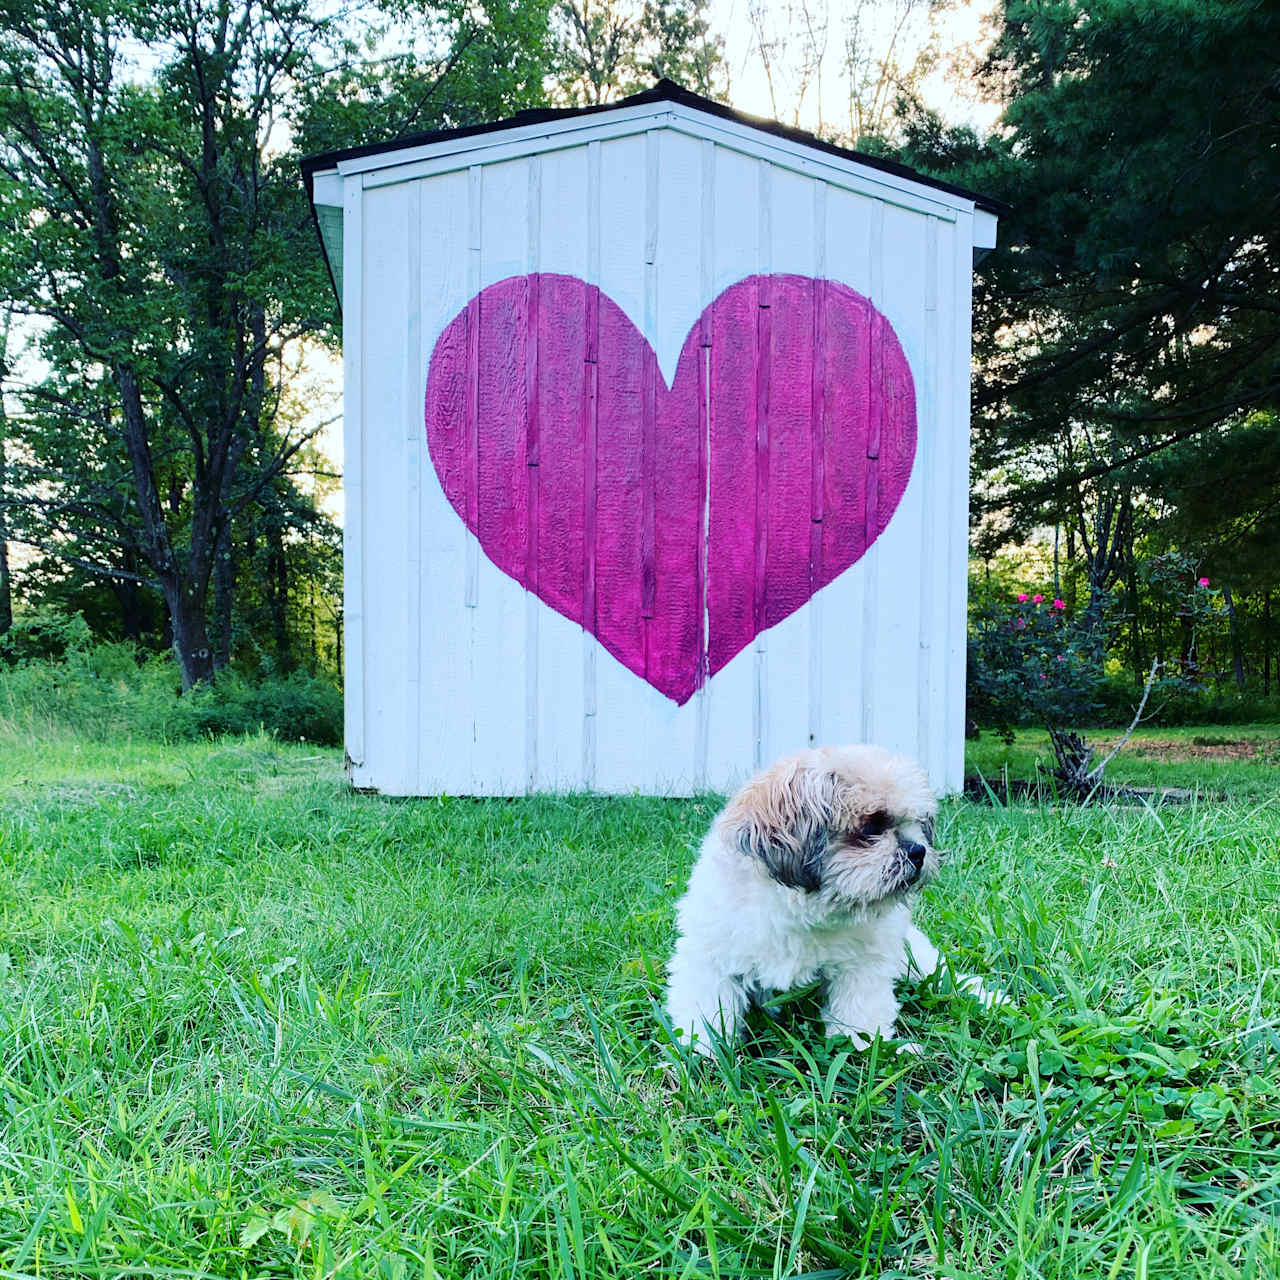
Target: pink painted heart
(674, 524)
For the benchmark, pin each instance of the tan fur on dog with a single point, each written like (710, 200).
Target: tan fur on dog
(806, 875)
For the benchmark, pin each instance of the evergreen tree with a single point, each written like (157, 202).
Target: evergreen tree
(1134, 307)
(1127, 329)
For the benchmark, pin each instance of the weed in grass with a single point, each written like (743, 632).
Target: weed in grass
(252, 1024)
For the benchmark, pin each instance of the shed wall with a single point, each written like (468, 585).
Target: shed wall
(461, 681)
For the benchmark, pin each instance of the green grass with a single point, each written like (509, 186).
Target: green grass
(252, 1024)
(1239, 762)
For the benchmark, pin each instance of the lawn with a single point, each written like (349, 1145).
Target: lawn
(252, 1024)
(1239, 762)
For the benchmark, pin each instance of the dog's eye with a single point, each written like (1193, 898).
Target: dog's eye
(876, 825)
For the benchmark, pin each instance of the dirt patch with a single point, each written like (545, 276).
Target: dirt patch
(1000, 792)
(1262, 750)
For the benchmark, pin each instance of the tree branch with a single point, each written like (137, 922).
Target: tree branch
(1095, 774)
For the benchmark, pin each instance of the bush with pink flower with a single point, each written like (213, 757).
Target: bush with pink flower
(1032, 662)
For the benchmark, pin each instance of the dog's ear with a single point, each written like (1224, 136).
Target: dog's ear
(782, 818)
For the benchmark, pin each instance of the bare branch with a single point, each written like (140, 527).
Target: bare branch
(1095, 774)
(102, 571)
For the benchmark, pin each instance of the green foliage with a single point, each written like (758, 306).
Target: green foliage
(1031, 662)
(293, 708)
(114, 692)
(158, 249)
(1140, 257)
(256, 1023)
(1226, 485)
(1180, 702)
(606, 49)
(416, 66)
(162, 255)
(682, 46)
(1127, 341)
(43, 636)
(1141, 1063)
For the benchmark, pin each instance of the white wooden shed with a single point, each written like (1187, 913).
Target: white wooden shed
(656, 450)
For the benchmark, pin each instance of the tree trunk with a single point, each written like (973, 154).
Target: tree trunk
(1237, 655)
(6, 599)
(1135, 633)
(255, 427)
(185, 593)
(1266, 644)
(1188, 663)
(278, 595)
(128, 596)
(190, 637)
(311, 614)
(224, 581)
(1074, 758)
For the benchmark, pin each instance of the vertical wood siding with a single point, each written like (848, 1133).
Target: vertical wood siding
(353, 612)
(531, 290)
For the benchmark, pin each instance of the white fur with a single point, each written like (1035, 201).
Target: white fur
(743, 933)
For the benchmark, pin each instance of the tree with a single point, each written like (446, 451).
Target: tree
(1127, 330)
(71, 490)
(845, 65)
(1137, 298)
(607, 49)
(682, 47)
(154, 235)
(6, 594)
(151, 248)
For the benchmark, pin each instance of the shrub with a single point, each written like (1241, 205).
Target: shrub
(1029, 663)
(44, 636)
(295, 708)
(113, 690)
(1225, 705)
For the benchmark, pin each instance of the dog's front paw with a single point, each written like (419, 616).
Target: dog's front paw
(988, 997)
(899, 1048)
(862, 1039)
(698, 1040)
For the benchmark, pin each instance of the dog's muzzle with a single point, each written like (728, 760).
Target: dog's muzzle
(913, 855)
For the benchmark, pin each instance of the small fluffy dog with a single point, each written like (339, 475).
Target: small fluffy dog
(805, 875)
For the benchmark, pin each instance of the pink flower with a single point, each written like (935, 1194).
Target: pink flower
(1061, 658)
(1204, 582)
(1059, 604)
(1036, 599)
(1022, 599)
(1020, 625)
(1043, 676)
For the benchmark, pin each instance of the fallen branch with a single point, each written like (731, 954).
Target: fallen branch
(1095, 774)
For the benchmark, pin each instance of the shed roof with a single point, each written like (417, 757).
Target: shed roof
(663, 91)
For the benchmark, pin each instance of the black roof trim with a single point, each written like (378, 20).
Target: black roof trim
(663, 91)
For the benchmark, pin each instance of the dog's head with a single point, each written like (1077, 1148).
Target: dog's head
(852, 824)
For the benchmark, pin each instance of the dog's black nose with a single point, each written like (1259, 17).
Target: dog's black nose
(915, 854)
